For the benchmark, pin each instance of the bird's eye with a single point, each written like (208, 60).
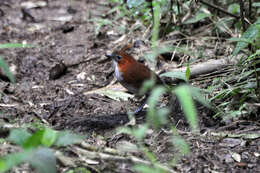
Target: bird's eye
(118, 57)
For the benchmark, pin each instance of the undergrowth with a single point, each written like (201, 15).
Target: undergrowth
(235, 95)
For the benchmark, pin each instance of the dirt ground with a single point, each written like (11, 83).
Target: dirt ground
(65, 31)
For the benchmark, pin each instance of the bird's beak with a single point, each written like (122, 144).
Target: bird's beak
(110, 56)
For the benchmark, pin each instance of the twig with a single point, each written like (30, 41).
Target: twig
(91, 152)
(242, 17)
(250, 9)
(219, 9)
(179, 12)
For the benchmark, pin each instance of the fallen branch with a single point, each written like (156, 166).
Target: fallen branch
(205, 67)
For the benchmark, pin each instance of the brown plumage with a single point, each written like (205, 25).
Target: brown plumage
(131, 73)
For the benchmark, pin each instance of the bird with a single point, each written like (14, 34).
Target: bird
(131, 74)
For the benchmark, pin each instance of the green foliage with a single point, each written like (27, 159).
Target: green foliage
(156, 22)
(6, 70)
(3, 65)
(43, 160)
(156, 117)
(234, 8)
(34, 148)
(184, 95)
(65, 138)
(99, 23)
(11, 160)
(198, 17)
(19, 136)
(15, 45)
(187, 72)
(79, 170)
(148, 169)
(139, 132)
(249, 36)
(177, 75)
(135, 3)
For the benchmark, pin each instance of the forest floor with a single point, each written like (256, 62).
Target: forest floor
(66, 31)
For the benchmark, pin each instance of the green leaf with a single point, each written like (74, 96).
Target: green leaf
(6, 70)
(177, 74)
(49, 137)
(15, 45)
(19, 136)
(115, 95)
(254, 56)
(256, 4)
(251, 34)
(11, 160)
(148, 84)
(234, 8)
(43, 160)
(134, 3)
(35, 140)
(184, 95)
(197, 95)
(140, 132)
(147, 169)
(241, 40)
(156, 22)
(199, 16)
(65, 138)
(181, 144)
(187, 73)
(155, 117)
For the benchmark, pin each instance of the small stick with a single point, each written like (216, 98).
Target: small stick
(242, 17)
(219, 9)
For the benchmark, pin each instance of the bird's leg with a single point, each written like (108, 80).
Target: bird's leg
(141, 106)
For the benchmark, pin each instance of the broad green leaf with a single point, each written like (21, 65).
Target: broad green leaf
(6, 70)
(234, 8)
(43, 160)
(251, 34)
(35, 140)
(49, 137)
(15, 45)
(241, 40)
(184, 95)
(14, 159)
(177, 74)
(19, 136)
(199, 16)
(65, 138)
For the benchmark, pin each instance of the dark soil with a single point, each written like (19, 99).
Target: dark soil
(52, 80)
